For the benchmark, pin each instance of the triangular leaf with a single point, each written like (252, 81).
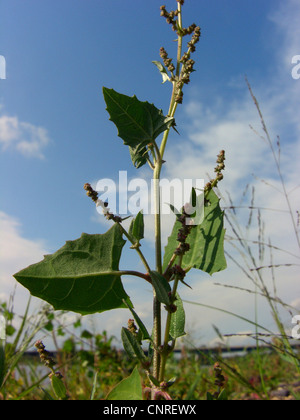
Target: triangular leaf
(128, 389)
(206, 240)
(138, 123)
(80, 276)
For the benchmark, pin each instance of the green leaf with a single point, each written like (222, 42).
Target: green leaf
(206, 240)
(174, 210)
(161, 286)
(86, 334)
(81, 276)
(138, 155)
(58, 387)
(10, 330)
(132, 346)
(142, 328)
(209, 397)
(154, 380)
(162, 70)
(138, 123)
(223, 396)
(177, 320)
(128, 389)
(136, 228)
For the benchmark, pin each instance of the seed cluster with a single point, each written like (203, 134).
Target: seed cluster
(183, 233)
(170, 17)
(218, 170)
(182, 77)
(47, 359)
(178, 271)
(167, 61)
(220, 380)
(132, 327)
(90, 192)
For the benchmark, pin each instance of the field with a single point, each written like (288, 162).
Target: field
(91, 366)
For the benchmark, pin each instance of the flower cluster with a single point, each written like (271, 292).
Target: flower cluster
(195, 38)
(167, 61)
(183, 232)
(90, 192)
(47, 359)
(220, 380)
(182, 77)
(170, 17)
(178, 271)
(132, 327)
(221, 164)
(218, 170)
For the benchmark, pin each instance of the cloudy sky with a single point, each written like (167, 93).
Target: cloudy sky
(55, 136)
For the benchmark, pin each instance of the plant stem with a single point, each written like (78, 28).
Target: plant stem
(156, 303)
(137, 248)
(166, 349)
(156, 178)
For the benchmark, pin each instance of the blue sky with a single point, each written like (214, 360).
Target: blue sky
(55, 134)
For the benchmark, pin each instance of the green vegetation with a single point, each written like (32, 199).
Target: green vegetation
(89, 365)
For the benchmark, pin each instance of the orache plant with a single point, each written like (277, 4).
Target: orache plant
(83, 276)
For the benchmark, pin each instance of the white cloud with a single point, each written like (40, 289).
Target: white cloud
(296, 303)
(286, 19)
(16, 252)
(23, 137)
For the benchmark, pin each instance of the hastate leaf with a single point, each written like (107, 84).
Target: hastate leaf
(138, 123)
(80, 276)
(206, 240)
(128, 389)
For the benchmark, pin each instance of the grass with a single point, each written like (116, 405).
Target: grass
(93, 370)
(91, 365)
